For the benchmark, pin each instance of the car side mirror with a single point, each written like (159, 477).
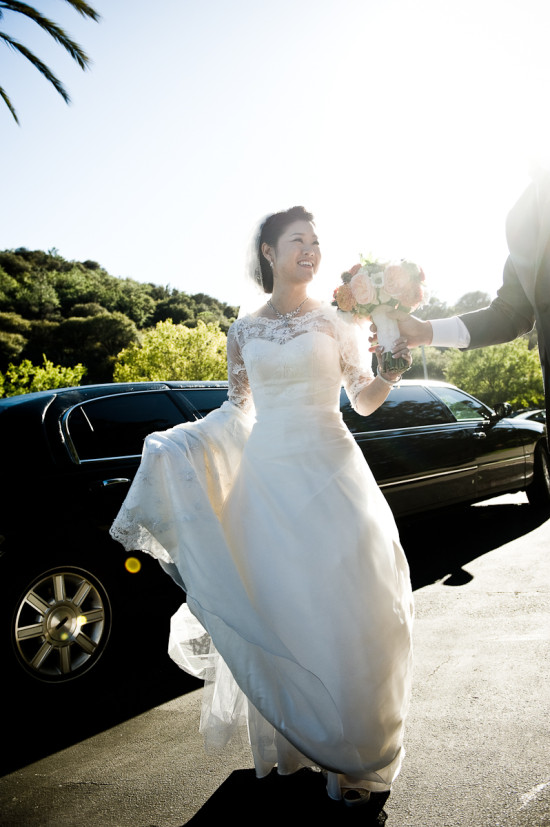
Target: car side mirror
(503, 409)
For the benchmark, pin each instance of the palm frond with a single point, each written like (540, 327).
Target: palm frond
(55, 31)
(78, 5)
(37, 63)
(84, 9)
(8, 103)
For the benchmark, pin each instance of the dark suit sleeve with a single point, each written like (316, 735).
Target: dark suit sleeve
(510, 315)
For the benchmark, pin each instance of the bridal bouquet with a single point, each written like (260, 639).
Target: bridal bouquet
(372, 289)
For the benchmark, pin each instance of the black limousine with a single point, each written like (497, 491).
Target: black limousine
(72, 601)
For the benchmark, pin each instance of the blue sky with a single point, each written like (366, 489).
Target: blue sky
(407, 128)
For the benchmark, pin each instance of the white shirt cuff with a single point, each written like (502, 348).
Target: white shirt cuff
(450, 332)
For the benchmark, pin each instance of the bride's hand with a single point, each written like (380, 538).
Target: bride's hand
(400, 350)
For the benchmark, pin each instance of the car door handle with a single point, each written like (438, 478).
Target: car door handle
(479, 434)
(107, 483)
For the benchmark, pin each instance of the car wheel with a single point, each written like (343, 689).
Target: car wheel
(538, 492)
(61, 624)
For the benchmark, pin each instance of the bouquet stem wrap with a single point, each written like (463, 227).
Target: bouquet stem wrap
(387, 332)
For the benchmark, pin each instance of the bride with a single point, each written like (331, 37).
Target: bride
(299, 605)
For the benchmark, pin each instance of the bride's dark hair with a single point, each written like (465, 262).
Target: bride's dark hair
(272, 229)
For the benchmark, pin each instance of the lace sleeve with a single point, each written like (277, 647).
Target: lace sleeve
(239, 389)
(355, 357)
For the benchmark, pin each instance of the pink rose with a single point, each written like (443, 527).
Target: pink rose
(412, 296)
(396, 280)
(363, 288)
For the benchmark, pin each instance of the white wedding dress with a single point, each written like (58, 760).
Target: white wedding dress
(299, 604)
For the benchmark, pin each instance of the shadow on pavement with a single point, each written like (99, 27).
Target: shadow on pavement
(44, 721)
(297, 798)
(439, 545)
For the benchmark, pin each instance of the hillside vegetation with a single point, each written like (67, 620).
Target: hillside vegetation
(66, 323)
(73, 312)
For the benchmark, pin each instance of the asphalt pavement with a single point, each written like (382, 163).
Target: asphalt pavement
(478, 745)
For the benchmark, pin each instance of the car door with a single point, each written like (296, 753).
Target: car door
(204, 400)
(498, 446)
(104, 437)
(420, 456)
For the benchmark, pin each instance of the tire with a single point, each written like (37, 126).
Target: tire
(538, 492)
(76, 617)
(61, 623)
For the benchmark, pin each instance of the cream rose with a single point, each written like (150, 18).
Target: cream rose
(363, 289)
(396, 280)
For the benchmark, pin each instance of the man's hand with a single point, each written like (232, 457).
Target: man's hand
(415, 331)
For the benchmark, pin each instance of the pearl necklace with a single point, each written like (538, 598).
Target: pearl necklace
(286, 317)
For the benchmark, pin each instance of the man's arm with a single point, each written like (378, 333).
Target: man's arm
(507, 317)
(510, 315)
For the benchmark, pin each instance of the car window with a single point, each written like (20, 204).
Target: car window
(406, 407)
(205, 399)
(462, 406)
(116, 426)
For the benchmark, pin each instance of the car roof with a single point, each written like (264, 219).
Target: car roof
(79, 393)
(26, 415)
(40, 400)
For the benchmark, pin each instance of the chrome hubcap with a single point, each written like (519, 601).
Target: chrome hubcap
(62, 625)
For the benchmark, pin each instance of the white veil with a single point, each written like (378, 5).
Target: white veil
(252, 291)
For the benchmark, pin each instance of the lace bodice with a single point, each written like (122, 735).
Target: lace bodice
(305, 359)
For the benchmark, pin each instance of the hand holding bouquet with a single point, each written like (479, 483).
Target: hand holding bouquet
(373, 289)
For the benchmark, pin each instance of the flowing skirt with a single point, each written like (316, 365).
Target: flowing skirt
(299, 605)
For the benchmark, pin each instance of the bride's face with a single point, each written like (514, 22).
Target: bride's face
(296, 255)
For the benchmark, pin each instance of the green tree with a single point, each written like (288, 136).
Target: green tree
(96, 340)
(436, 363)
(75, 286)
(433, 309)
(170, 351)
(12, 346)
(509, 372)
(14, 323)
(36, 297)
(43, 338)
(8, 287)
(474, 300)
(27, 378)
(178, 307)
(88, 309)
(57, 33)
(14, 333)
(14, 263)
(135, 301)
